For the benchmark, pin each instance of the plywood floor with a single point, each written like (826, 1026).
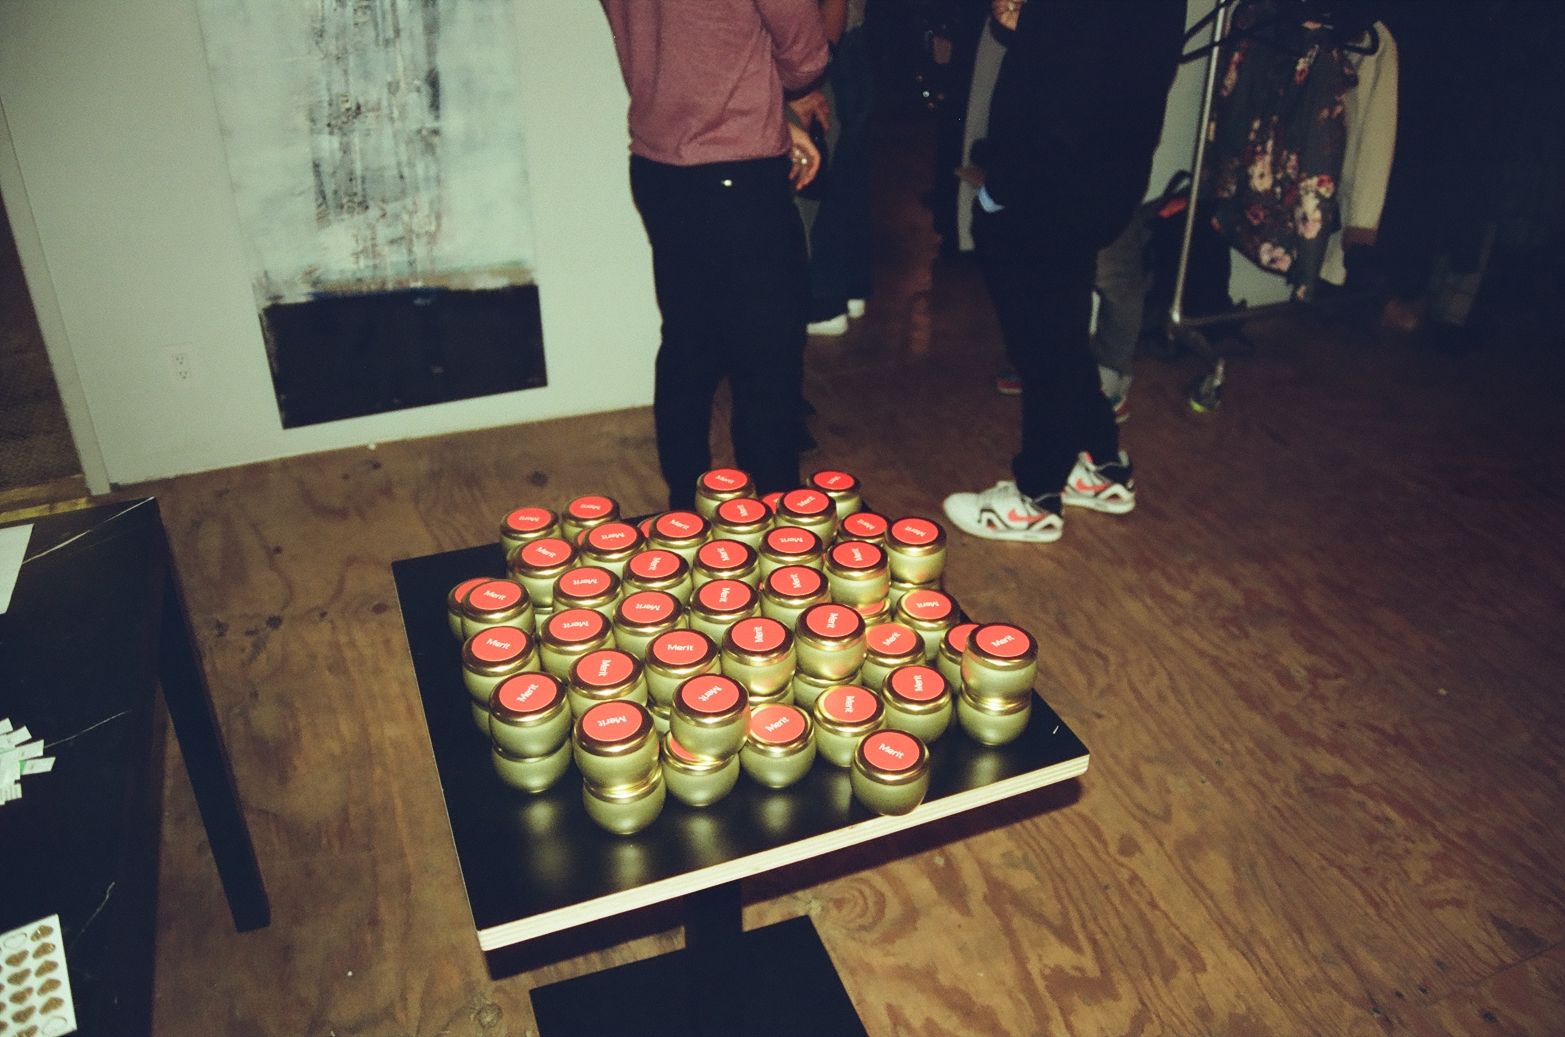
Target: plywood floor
(1319, 668)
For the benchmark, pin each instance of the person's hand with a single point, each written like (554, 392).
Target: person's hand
(1006, 11)
(973, 175)
(811, 108)
(804, 157)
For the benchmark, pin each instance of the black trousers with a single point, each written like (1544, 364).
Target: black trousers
(1041, 283)
(732, 279)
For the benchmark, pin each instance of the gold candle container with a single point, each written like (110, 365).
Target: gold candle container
(661, 718)
(641, 616)
(607, 675)
(710, 714)
(843, 716)
(529, 715)
(890, 773)
(584, 513)
(918, 700)
(611, 545)
(917, 550)
(718, 605)
(758, 653)
(806, 690)
(524, 525)
(842, 488)
(694, 780)
(948, 657)
(615, 744)
(789, 545)
(569, 635)
(531, 773)
(490, 656)
(809, 509)
(720, 484)
(658, 570)
(887, 646)
(829, 640)
(931, 613)
(454, 598)
(857, 574)
(744, 519)
(725, 560)
(789, 591)
(993, 721)
(864, 525)
(680, 532)
(779, 747)
(627, 809)
(587, 587)
(538, 564)
(494, 603)
(1001, 662)
(674, 658)
(900, 590)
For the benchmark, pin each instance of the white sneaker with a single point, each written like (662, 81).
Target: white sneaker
(1109, 487)
(837, 325)
(1002, 512)
(856, 308)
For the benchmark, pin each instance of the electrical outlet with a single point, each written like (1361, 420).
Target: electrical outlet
(180, 367)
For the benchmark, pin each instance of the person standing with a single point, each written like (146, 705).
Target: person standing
(1074, 119)
(713, 166)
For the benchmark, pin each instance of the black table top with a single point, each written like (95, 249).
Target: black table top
(536, 864)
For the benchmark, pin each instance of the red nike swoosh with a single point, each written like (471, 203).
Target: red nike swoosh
(1083, 486)
(1014, 516)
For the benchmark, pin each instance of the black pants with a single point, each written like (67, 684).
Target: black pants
(732, 280)
(1041, 284)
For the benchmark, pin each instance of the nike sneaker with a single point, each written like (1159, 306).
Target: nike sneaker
(1002, 512)
(1109, 487)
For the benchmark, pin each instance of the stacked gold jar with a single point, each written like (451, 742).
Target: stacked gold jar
(750, 634)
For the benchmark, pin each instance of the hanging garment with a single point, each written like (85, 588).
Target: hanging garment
(1366, 164)
(1278, 133)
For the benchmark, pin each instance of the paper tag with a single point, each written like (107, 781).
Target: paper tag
(35, 985)
(13, 552)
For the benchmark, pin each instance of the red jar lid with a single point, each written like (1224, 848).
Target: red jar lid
(761, 634)
(915, 532)
(529, 520)
(1002, 640)
(831, 479)
(721, 555)
(679, 647)
(614, 721)
(777, 724)
(574, 626)
(648, 607)
(917, 683)
(891, 639)
(679, 525)
(849, 704)
(772, 500)
(832, 620)
(587, 581)
(590, 507)
(541, 554)
(796, 581)
(865, 524)
(792, 540)
(528, 692)
(726, 596)
(859, 555)
(724, 480)
(891, 751)
(499, 644)
(459, 592)
(710, 693)
(806, 502)
(680, 752)
(742, 511)
(604, 668)
(934, 605)
(612, 536)
(492, 595)
(656, 564)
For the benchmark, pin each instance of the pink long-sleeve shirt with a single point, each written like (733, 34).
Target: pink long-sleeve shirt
(707, 77)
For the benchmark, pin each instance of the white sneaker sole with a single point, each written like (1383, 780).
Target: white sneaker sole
(1106, 505)
(1042, 535)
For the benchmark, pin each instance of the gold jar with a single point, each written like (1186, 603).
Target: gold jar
(570, 634)
(662, 718)
(539, 563)
(697, 781)
(993, 721)
(583, 513)
(454, 598)
(489, 657)
(494, 603)
(524, 525)
(529, 715)
(917, 550)
(788, 591)
(611, 545)
(864, 525)
(887, 646)
(744, 519)
(658, 570)
(1001, 662)
(806, 690)
(642, 616)
(674, 658)
(842, 488)
(900, 590)
(809, 509)
(779, 747)
(857, 574)
(680, 532)
(843, 716)
(607, 675)
(626, 809)
(718, 605)
(725, 560)
(615, 744)
(710, 714)
(890, 773)
(758, 653)
(948, 658)
(918, 700)
(531, 773)
(931, 613)
(587, 587)
(720, 484)
(829, 640)
(789, 545)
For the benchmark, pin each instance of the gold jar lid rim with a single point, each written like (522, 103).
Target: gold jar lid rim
(528, 696)
(892, 757)
(998, 707)
(724, 556)
(778, 730)
(630, 793)
(528, 519)
(615, 728)
(541, 557)
(832, 706)
(592, 507)
(710, 699)
(1002, 643)
(677, 757)
(724, 480)
(907, 684)
(830, 623)
(757, 638)
(914, 534)
(857, 557)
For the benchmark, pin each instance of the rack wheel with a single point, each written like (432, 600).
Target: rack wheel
(1206, 393)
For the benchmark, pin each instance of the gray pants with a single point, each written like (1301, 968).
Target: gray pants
(1121, 280)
